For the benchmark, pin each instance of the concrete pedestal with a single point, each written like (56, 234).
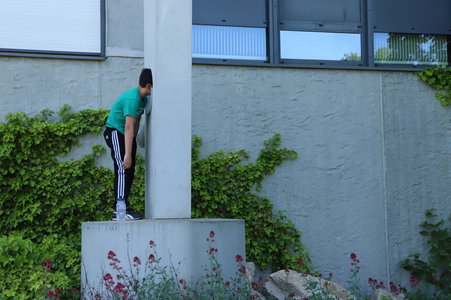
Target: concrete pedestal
(177, 241)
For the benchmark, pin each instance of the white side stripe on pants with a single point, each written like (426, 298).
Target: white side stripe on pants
(121, 171)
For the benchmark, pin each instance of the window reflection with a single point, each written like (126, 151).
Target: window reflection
(320, 45)
(417, 49)
(225, 42)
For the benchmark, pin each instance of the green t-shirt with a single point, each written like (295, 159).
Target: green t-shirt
(129, 103)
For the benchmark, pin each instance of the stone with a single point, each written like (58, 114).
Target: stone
(289, 283)
(273, 290)
(250, 271)
(380, 293)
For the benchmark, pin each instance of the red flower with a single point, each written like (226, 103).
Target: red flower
(413, 281)
(212, 250)
(119, 288)
(238, 258)
(242, 269)
(107, 276)
(292, 294)
(50, 294)
(300, 261)
(152, 243)
(151, 258)
(111, 255)
(137, 260)
(331, 275)
(182, 281)
(393, 288)
(227, 283)
(47, 262)
(212, 233)
(353, 256)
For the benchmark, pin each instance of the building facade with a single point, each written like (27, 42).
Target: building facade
(374, 144)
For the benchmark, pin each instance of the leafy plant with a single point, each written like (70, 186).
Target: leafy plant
(224, 188)
(435, 271)
(439, 78)
(23, 276)
(43, 196)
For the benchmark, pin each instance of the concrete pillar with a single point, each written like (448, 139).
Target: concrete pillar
(167, 51)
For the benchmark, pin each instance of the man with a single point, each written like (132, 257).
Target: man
(120, 135)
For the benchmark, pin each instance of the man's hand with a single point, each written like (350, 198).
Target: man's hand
(127, 163)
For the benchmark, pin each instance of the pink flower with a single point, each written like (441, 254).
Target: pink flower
(393, 288)
(413, 281)
(107, 276)
(111, 254)
(50, 294)
(47, 262)
(212, 250)
(238, 258)
(137, 260)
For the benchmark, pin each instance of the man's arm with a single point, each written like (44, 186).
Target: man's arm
(138, 120)
(129, 134)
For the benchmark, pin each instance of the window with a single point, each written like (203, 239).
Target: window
(366, 34)
(226, 42)
(416, 49)
(320, 46)
(67, 27)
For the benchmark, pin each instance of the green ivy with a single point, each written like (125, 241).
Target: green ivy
(439, 78)
(223, 188)
(43, 196)
(435, 271)
(24, 276)
(44, 199)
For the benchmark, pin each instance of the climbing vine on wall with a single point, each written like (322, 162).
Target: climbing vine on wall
(222, 187)
(44, 198)
(439, 78)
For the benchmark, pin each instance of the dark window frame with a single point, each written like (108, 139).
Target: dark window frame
(366, 29)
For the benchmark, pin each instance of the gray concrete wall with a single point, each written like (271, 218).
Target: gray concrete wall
(374, 147)
(374, 154)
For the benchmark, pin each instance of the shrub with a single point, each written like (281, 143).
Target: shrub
(43, 196)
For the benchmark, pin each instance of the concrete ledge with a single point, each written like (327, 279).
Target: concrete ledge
(177, 241)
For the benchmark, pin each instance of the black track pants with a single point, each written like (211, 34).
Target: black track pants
(123, 178)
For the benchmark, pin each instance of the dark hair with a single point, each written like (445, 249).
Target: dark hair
(145, 77)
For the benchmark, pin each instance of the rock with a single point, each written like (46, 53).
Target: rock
(273, 290)
(250, 271)
(289, 283)
(377, 295)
